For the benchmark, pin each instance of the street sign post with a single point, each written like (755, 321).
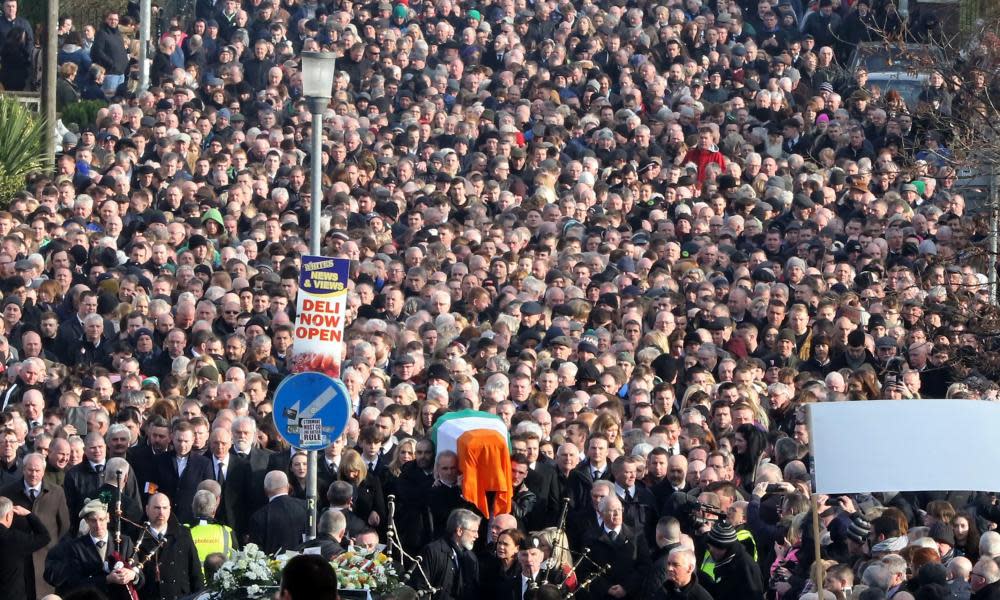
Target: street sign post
(311, 410)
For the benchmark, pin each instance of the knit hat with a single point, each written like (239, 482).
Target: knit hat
(942, 533)
(722, 534)
(888, 545)
(859, 529)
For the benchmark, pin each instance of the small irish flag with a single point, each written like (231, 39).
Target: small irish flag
(481, 441)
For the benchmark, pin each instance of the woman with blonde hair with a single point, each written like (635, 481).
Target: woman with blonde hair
(404, 452)
(657, 339)
(610, 426)
(140, 303)
(555, 549)
(369, 501)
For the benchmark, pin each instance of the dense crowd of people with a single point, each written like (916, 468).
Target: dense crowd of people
(646, 235)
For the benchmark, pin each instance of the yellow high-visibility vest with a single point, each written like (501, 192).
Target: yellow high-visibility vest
(743, 536)
(212, 537)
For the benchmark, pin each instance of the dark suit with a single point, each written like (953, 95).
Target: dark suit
(627, 558)
(454, 571)
(143, 462)
(368, 498)
(181, 488)
(260, 463)
(640, 512)
(18, 547)
(543, 480)
(442, 500)
(235, 490)
(175, 569)
(355, 524)
(581, 479)
(70, 331)
(579, 524)
(50, 508)
(76, 563)
(325, 475)
(279, 524)
(514, 586)
(328, 547)
(413, 516)
(81, 483)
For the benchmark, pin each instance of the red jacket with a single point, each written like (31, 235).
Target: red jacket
(702, 158)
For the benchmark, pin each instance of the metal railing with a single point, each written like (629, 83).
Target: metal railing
(31, 100)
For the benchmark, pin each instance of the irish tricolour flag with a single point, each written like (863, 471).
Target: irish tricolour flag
(481, 441)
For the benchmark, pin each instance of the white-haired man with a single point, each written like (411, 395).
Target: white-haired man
(283, 522)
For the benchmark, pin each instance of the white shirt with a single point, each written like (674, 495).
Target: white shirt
(225, 466)
(28, 489)
(621, 492)
(525, 580)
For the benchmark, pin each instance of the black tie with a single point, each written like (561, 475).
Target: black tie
(628, 496)
(99, 469)
(100, 548)
(221, 478)
(613, 535)
(32, 493)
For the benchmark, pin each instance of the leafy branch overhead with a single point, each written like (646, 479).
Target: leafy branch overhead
(22, 146)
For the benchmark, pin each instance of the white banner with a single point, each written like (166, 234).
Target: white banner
(319, 315)
(905, 445)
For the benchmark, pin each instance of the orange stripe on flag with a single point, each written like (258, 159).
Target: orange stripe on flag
(484, 461)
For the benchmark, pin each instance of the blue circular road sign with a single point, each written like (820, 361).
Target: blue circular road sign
(311, 410)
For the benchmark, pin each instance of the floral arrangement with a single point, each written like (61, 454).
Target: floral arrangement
(374, 572)
(249, 574)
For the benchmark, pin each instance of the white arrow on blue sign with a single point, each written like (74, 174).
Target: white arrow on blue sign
(311, 410)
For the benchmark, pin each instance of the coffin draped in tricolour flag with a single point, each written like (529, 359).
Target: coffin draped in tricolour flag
(481, 441)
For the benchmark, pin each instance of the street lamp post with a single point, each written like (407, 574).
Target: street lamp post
(318, 69)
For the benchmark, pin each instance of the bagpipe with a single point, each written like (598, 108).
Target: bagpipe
(569, 587)
(481, 442)
(140, 555)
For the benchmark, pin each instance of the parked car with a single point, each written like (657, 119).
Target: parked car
(880, 57)
(909, 85)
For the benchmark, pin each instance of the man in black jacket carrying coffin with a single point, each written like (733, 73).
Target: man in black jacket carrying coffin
(451, 566)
